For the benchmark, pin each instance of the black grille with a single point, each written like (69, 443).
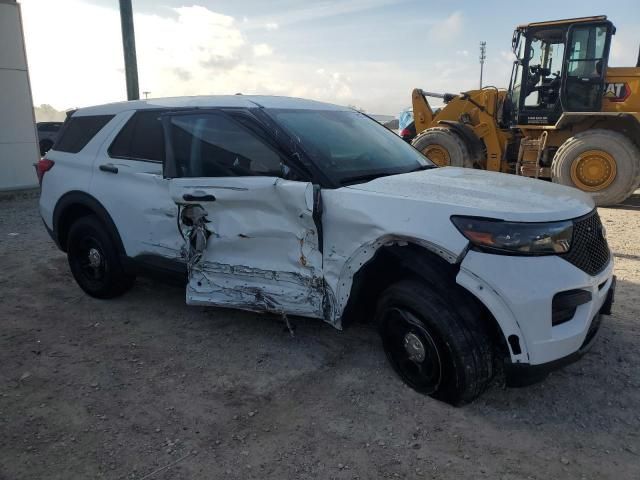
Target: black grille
(589, 249)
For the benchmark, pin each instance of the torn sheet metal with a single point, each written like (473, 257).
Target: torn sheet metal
(193, 220)
(254, 247)
(262, 244)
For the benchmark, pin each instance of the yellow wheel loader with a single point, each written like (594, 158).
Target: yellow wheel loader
(565, 117)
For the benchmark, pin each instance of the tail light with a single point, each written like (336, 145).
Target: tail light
(42, 167)
(406, 133)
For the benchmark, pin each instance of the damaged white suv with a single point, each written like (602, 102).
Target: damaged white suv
(303, 208)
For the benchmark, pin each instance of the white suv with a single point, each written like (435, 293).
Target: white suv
(302, 208)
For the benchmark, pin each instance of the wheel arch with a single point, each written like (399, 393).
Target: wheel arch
(627, 124)
(74, 205)
(410, 258)
(477, 148)
(512, 341)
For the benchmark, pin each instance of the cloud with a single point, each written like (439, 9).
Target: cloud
(314, 11)
(624, 48)
(447, 29)
(195, 51)
(271, 26)
(463, 53)
(262, 50)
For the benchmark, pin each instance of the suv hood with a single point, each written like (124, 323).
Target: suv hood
(486, 194)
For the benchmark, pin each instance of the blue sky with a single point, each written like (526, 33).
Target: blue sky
(365, 53)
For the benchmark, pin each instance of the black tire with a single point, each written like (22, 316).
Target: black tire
(623, 151)
(447, 140)
(94, 260)
(457, 363)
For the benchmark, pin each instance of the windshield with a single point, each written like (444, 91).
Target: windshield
(348, 146)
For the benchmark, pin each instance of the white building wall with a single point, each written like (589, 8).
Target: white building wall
(18, 138)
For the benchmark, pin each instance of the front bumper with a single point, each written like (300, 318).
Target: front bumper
(523, 374)
(519, 292)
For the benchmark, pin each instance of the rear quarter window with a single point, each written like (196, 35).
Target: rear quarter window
(78, 131)
(49, 127)
(142, 138)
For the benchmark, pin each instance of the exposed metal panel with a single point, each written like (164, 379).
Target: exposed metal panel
(18, 140)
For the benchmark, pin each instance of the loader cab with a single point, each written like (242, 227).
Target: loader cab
(560, 67)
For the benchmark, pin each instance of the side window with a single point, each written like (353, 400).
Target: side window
(78, 131)
(586, 51)
(210, 145)
(141, 138)
(49, 127)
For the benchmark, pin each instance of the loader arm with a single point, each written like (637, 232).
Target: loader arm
(422, 113)
(476, 109)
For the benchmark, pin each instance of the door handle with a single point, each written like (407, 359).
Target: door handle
(198, 198)
(109, 167)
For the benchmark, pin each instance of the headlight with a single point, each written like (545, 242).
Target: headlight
(515, 238)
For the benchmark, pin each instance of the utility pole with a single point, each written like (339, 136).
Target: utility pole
(146, 94)
(129, 47)
(483, 57)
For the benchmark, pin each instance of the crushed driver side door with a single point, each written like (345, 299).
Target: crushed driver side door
(251, 241)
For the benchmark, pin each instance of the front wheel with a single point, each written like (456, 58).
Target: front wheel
(94, 260)
(602, 163)
(444, 147)
(436, 348)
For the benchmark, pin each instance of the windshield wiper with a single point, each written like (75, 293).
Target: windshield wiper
(372, 176)
(423, 167)
(363, 178)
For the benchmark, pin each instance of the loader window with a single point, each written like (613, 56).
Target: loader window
(587, 51)
(586, 65)
(546, 54)
(537, 76)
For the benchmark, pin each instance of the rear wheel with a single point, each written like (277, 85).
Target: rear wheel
(444, 147)
(602, 163)
(437, 348)
(94, 260)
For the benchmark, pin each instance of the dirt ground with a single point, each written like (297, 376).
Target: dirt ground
(145, 387)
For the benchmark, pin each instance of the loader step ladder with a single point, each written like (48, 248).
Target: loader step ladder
(530, 156)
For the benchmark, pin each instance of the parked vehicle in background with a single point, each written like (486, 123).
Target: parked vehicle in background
(297, 207)
(406, 125)
(566, 117)
(47, 135)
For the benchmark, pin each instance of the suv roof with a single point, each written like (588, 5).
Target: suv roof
(240, 101)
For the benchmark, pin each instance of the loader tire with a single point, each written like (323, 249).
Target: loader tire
(444, 147)
(602, 163)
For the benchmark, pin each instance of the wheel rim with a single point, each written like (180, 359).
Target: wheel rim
(593, 170)
(438, 155)
(411, 350)
(91, 260)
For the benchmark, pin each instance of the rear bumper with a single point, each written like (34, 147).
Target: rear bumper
(523, 374)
